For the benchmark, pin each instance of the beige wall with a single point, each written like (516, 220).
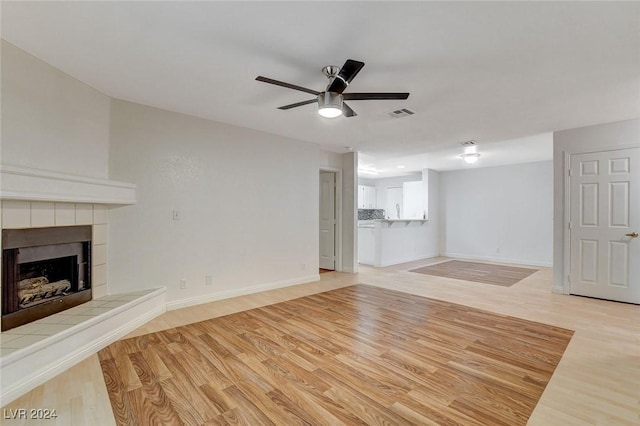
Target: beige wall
(248, 205)
(50, 120)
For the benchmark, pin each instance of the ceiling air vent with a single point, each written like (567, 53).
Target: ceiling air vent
(468, 143)
(399, 113)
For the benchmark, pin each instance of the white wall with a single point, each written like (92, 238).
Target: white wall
(50, 120)
(248, 205)
(507, 208)
(330, 160)
(618, 135)
(433, 181)
(350, 212)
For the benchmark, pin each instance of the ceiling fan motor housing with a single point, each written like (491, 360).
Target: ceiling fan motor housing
(330, 99)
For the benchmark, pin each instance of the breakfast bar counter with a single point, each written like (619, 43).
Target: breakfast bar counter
(385, 242)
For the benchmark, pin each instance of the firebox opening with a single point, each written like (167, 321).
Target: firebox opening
(40, 281)
(44, 271)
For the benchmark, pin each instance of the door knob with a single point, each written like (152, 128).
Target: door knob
(632, 235)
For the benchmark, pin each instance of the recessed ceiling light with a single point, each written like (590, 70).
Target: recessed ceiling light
(400, 167)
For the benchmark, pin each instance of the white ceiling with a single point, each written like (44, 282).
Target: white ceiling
(495, 72)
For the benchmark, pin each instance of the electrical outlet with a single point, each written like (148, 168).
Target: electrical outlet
(498, 250)
(176, 215)
(183, 283)
(208, 280)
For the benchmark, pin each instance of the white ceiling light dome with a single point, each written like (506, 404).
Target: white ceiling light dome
(471, 153)
(470, 158)
(330, 104)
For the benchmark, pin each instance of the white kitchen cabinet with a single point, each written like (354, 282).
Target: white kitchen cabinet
(413, 196)
(370, 197)
(366, 197)
(361, 196)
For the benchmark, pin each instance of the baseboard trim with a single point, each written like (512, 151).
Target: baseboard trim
(227, 294)
(500, 260)
(55, 355)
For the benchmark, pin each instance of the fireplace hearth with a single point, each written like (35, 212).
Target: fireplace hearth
(44, 271)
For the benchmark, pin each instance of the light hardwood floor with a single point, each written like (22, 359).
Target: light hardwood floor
(477, 272)
(597, 381)
(356, 355)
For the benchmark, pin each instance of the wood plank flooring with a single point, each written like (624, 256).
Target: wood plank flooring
(477, 272)
(354, 355)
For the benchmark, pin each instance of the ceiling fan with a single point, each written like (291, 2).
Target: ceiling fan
(331, 101)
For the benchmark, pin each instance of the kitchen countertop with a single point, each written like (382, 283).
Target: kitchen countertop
(401, 220)
(371, 222)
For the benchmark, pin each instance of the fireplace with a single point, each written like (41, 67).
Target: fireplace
(44, 271)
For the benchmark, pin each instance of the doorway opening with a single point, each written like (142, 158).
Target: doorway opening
(329, 221)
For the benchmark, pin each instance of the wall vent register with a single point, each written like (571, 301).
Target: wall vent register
(399, 113)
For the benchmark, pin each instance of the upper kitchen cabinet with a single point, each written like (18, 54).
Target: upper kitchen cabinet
(413, 197)
(366, 197)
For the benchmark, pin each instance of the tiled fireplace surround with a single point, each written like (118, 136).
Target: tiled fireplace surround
(35, 214)
(31, 199)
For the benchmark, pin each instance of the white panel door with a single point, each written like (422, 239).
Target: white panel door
(327, 220)
(605, 220)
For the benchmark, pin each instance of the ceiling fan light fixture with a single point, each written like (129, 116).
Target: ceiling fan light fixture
(330, 104)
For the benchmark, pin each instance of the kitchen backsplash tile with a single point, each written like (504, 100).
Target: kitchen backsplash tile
(370, 214)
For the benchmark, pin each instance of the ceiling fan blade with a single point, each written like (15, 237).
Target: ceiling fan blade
(287, 85)
(297, 104)
(347, 111)
(378, 96)
(347, 73)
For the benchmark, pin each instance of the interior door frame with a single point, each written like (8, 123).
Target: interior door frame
(566, 267)
(338, 214)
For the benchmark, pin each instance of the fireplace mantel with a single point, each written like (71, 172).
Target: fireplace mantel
(27, 184)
